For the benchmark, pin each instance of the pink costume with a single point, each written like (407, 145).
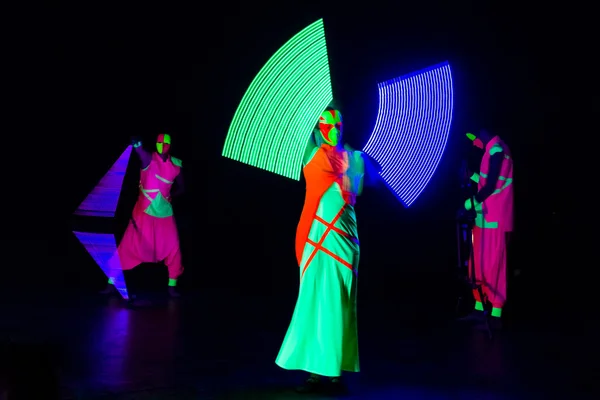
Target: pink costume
(494, 220)
(152, 234)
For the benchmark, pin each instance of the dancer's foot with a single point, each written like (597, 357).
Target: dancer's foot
(474, 316)
(109, 289)
(173, 292)
(496, 323)
(312, 385)
(337, 387)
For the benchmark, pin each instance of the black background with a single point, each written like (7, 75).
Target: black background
(87, 78)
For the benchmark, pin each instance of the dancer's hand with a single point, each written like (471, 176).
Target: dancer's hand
(145, 156)
(136, 141)
(463, 213)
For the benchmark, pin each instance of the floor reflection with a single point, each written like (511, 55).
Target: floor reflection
(132, 347)
(211, 344)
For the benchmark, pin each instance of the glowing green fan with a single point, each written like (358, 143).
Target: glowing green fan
(281, 107)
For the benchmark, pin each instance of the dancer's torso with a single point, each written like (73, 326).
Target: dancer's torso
(156, 182)
(328, 166)
(497, 210)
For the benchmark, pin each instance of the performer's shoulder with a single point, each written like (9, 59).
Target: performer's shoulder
(358, 154)
(176, 161)
(496, 148)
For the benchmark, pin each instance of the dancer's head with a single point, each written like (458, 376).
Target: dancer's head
(330, 127)
(481, 139)
(163, 143)
(485, 136)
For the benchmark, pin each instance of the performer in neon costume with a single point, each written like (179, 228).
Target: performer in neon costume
(494, 204)
(322, 336)
(151, 235)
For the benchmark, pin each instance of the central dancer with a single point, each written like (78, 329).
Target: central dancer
(322, 337)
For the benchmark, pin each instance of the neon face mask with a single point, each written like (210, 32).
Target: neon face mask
(476, 141)
(163, 143)
(330, 126)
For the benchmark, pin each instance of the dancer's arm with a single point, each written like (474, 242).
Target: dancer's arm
(360, 157)
(144, 155)
(492, 178)
(179, 186)
(372, 170)
(490, 184)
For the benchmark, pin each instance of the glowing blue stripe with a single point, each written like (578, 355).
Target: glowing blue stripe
(412, 129)
(103, 200)
(102, 247)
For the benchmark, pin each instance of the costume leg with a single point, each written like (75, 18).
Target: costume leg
(322, 336)
(135, 247)
(167, 239)
(126, 257)
(494, 269)
(478, 257)
(173, 263)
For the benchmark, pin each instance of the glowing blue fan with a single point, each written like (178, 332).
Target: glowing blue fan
(102, 203)
(412, 129)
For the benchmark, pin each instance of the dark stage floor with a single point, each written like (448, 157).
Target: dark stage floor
(222, 344)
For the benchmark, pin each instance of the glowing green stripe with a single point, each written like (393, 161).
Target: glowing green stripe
(507, 183)
(496, 149)
(279, 110)
(291, 155)
(279, 101)
(160, 178)
(285, 104)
